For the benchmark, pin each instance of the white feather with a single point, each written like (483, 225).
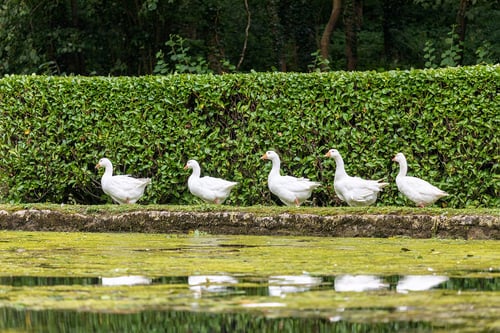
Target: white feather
(355, 191)
(417, 190)
(123, 189)
(209, 189)
(290, 190)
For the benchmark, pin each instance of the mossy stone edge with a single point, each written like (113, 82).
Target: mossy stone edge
(476, 226)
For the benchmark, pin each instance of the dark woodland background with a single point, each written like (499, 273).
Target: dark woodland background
(141, 37)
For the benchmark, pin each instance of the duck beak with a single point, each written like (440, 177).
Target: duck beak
(97, 166)
(186, 167)
(328, 154)
(264, 157)
(394, 159)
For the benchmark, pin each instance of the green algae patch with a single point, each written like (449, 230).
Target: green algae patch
(257, 275)
(114, 254)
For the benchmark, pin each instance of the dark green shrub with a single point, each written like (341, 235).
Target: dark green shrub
(53, 130)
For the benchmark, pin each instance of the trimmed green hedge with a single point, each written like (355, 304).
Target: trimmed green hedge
(53, 130)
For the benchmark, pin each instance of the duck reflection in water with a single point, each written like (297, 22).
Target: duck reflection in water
(359, 283)
(199, 284)
(282, 284)
(131, 280)
(419, 282)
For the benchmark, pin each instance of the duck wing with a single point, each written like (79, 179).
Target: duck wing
(297, 185)
(419, 190)
(358, 191)
(213, 183)
(211, 189)
(124, 188)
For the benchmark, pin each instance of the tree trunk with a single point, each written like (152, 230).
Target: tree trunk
(216, 51)
(78, 59)
(332, 21)
(276, 32)
(461, 27)
(391, 10)
(353, 17)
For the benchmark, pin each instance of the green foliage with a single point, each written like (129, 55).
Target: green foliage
(95, 37)
(18, 54)
(319, 64)
(484, 54)
(54, 130)
(450, 55)
(429, 55)
(180, 58)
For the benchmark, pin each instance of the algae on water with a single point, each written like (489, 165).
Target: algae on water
(293, 277)
(114, 254)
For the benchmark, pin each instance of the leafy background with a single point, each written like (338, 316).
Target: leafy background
(53, 130)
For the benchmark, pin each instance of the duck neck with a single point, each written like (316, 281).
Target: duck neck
(108, 173)
(275, 171)
(339, 170)
(403, 168)
(196, 172)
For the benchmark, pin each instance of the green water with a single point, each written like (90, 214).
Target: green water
(83, 282)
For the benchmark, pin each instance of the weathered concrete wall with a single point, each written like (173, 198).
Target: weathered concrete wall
(344, 225)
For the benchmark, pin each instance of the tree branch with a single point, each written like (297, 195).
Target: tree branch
(247, 28)
(332, 21)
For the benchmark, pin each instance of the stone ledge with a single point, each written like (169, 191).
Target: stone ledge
(247, 223)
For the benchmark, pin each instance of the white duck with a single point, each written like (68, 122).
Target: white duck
(292, 191)
(123, 189)
(209, 189)
(353, 190)
(417, 190)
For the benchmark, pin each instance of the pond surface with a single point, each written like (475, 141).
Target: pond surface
(83, 282)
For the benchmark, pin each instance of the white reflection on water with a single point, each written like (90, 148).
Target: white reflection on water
(419, 282)
(263, 305)
(125, 280)
(359, 283)
(283, 284)
(210, 283)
